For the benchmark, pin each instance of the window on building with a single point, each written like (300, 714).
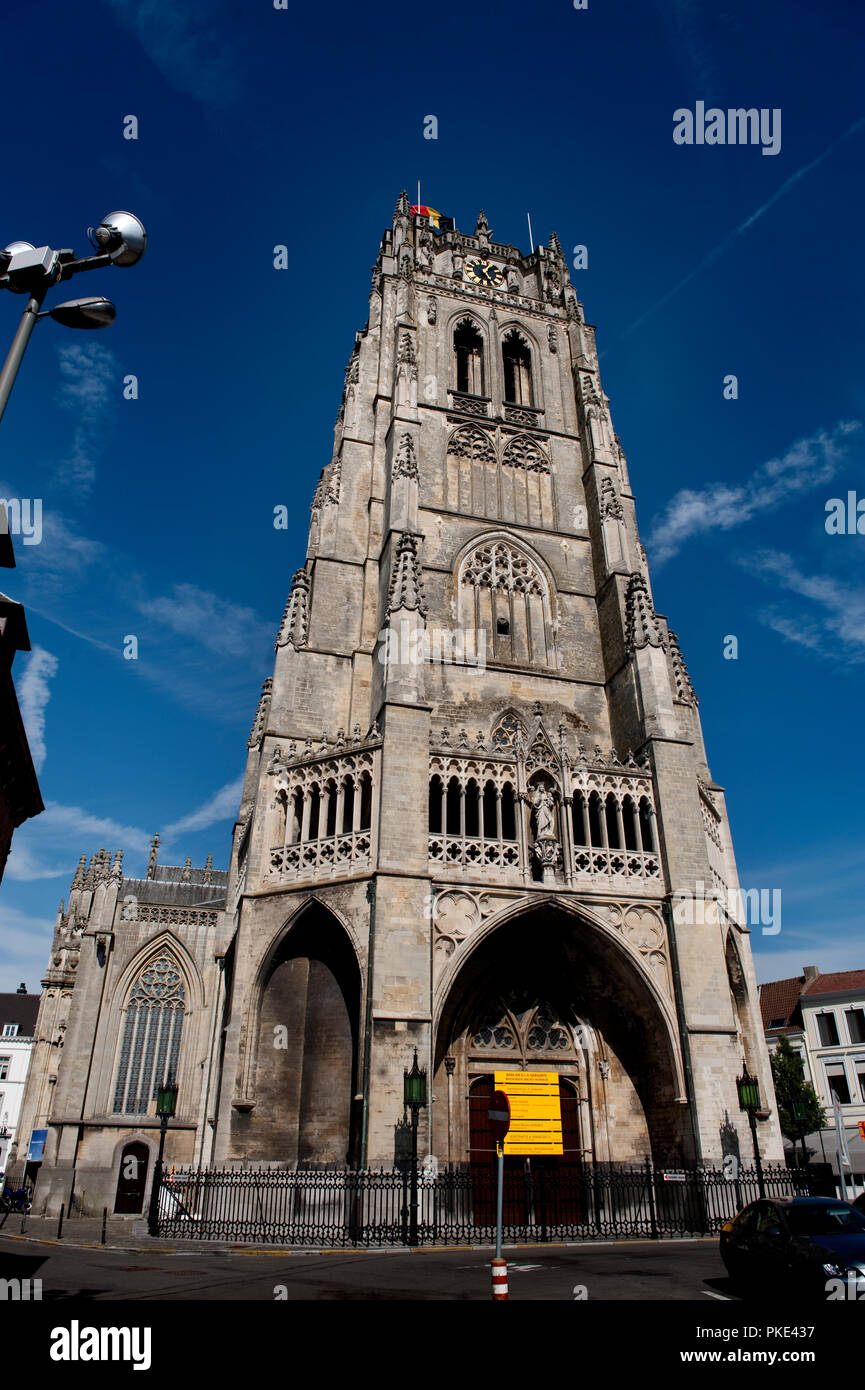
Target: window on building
(504, 594)
(855, 1025)
(150, 1047)
(469, 358)
(10, 1030)
(828, 1030)
(4, 1067)
(517, 363)
(471, 810)
(836, 1080)
(859, 1068)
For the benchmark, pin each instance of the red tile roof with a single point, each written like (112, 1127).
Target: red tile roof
(841, 982)
(778, 999)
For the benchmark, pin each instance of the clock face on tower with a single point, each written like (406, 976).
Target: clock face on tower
(483, 273)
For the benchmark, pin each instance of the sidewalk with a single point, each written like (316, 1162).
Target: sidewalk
(120, 1233)
(130, 1236)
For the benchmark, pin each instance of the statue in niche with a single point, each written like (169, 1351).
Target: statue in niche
(544, 808)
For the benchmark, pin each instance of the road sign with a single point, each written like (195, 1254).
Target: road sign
(536, 1113)
(499, 1115)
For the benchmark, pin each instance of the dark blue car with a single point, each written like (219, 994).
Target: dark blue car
(813, 1247)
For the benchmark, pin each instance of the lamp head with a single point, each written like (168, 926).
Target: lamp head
(166, 1100)
(95, 312)
(122, 235)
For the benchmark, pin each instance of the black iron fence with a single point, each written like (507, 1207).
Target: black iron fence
(457, 1206)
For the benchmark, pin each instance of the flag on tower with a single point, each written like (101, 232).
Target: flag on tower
(438, 221)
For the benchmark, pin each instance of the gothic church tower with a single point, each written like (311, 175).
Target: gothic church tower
(476, 784)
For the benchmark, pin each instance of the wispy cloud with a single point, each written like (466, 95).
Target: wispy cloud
(219, 807)
(34, 692)
(717, 251)
(211, 620)
(89, 382)
(24, 944)
(685, 20)
(26, 867)
(722, 506)
(74, 632)
(803, 879)
(49, 846)
(837, 630)
(196, 50)
(84, 826)
(828, 952)
(63, 555)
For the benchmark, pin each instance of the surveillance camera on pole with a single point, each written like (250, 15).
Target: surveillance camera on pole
(120, 239)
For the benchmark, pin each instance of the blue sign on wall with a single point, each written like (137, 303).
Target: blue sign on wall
(37, 1145)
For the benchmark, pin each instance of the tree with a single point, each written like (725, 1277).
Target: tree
(799, 1108)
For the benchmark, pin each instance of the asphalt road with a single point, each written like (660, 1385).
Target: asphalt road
(651, 1271)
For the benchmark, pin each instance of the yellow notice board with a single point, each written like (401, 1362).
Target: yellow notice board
(536, 1112)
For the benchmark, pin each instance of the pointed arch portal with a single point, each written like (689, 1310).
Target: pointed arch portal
(305, 1038)
(547, 990)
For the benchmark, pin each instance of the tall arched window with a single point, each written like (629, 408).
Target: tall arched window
(647, 833)
(504, 594)
(517, 363)
(436, 806)
(150, 1049)
(468, 358)
(365, 801)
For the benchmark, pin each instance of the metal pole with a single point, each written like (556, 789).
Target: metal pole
(412, 1219)
(9, 370)
(153, 1214)
(499, 1190)
(757, 1164)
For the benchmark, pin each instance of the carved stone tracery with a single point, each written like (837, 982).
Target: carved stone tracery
(500, 566)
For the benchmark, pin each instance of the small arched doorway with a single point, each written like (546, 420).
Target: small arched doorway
(132, 1179)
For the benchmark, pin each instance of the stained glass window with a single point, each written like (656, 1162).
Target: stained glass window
(150, 1048)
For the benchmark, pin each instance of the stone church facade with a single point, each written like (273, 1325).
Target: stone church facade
(475, 792)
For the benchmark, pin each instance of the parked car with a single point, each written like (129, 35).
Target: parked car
(795, 1245)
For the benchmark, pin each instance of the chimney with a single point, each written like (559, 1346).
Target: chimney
(22, 988)
(810, 972)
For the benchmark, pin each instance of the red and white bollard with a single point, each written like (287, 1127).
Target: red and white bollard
(500, 1279)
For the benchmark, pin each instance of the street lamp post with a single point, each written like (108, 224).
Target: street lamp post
(166, 1106)
(414, 1098)
(749, 1101)
(120, 239)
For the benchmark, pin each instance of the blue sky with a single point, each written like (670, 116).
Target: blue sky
(260, 127)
